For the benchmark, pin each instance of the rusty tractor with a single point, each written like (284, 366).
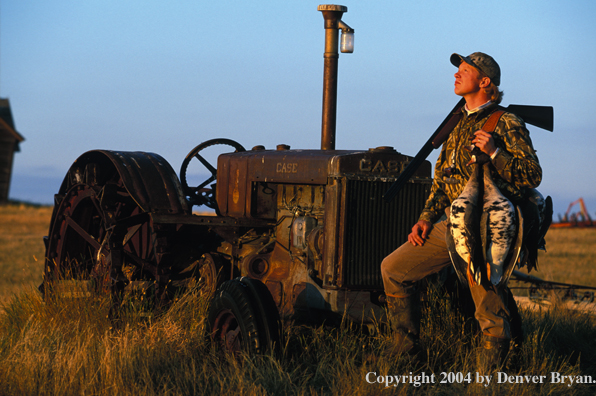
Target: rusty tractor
(297, 233)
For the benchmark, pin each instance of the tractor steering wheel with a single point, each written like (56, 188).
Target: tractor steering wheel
(202, 195)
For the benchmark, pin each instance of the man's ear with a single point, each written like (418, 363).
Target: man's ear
(484, 82)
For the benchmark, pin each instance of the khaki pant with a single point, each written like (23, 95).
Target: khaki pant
(408, 264)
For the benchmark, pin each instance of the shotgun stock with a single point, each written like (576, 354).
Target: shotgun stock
(540, 116)
(434, 142)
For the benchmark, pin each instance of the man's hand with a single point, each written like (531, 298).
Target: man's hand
(485, 142)
(420, 232)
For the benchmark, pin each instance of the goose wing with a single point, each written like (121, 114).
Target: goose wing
(500, 227)
(464, 230)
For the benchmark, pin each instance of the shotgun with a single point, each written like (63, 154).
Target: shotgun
(540, 116)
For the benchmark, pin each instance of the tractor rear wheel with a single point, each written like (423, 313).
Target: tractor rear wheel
(100, 240)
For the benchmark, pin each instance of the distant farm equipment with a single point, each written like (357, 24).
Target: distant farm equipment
(575, 219)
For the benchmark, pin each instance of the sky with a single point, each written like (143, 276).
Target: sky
(162, 77)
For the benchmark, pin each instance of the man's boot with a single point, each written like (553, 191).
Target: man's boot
(492, 354)
(404, 316)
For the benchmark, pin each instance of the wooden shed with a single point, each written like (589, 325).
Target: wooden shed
(9, 144)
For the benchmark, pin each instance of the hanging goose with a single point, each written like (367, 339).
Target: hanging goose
(498, 228)
(463, 234)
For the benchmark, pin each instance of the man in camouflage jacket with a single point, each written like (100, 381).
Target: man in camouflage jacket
(515, 170)
(515, 166)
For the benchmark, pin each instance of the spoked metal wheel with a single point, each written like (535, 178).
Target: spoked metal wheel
(211, 274)
(100, 238)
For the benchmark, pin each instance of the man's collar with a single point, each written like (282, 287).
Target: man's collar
(477, 109)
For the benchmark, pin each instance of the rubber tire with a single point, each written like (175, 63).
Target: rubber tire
(245, 306)
(268, 314)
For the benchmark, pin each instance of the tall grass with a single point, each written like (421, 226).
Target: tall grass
(570, 256)
(22, 227)
(83, 346)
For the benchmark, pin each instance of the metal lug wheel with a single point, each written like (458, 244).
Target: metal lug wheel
(211, 274)
(90, 246)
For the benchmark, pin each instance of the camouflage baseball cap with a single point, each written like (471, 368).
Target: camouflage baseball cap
(482, 62)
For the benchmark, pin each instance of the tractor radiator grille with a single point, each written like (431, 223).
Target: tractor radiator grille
(375, 227)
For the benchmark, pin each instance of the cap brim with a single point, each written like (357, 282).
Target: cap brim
(456, 59)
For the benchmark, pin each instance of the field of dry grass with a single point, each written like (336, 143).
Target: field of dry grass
(570, 256)
(22, 228)
(46, 349)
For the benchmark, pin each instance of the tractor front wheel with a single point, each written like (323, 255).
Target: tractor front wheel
(242, 318)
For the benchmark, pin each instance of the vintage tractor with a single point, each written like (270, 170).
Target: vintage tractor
(301, 233)
(305, 230)
(297, 233)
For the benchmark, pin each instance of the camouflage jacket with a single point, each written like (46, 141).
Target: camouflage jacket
(515, 169)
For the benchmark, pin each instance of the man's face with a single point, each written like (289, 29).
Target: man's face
(467, 80)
